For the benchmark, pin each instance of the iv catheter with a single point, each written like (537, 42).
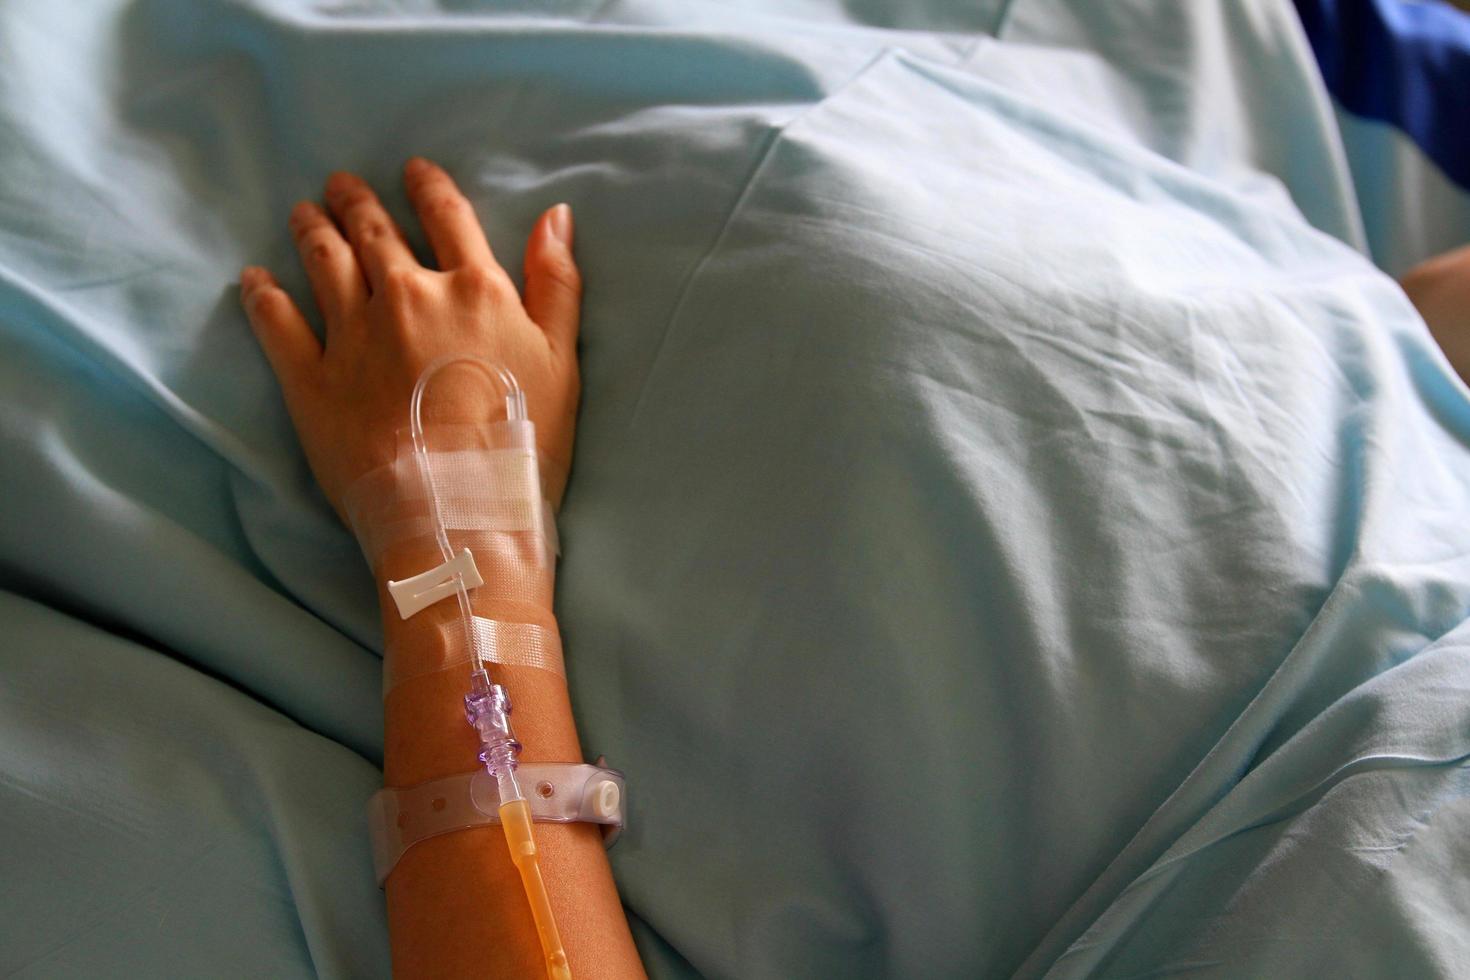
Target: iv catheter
(487, 705)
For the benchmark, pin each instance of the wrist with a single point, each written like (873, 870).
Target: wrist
(487, 499)
(426, 735)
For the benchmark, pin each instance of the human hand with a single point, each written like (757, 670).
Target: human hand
(1440, 290)
(387, 317)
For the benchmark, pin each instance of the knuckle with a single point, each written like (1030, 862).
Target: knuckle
(445, 207)
(371, 228)
(484, 283)
(402, 284)
(563, 273)
(317, 246)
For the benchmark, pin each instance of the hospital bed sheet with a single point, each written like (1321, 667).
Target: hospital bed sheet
(1015, 530)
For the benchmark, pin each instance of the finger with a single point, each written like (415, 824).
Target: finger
(336, 279)
(553, 282)
(281, 330)
(448, 218)
(375, 237)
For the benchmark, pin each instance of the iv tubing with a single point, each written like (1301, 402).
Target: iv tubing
(515, 410)
(487, 700)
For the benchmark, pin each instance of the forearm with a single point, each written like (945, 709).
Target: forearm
(455, 903)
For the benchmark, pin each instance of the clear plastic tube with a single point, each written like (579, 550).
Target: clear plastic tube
(515, 410)
(487, 705)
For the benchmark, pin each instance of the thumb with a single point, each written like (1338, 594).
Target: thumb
(553, 284)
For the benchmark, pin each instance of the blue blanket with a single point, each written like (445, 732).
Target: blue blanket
(1014, 528)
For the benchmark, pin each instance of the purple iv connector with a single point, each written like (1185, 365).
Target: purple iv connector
(487, 707)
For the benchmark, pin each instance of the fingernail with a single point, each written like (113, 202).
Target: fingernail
(561, 223)
(300, 213)
(416, 166)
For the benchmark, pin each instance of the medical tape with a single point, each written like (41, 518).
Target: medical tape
(477, 489)
(442, 648)
(488, 490)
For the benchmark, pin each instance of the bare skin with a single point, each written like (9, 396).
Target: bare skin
(1440, 290)
(455, 906)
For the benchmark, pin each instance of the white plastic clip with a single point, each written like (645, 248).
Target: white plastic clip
(427, 588)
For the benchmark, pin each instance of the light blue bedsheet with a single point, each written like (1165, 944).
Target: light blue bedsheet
(1014, 530)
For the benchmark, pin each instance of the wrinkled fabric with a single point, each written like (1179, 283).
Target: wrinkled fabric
(1014, 530)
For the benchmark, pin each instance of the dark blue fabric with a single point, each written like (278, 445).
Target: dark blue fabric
(1406, 64)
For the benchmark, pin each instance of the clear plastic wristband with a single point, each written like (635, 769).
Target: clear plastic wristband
(559, 793)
